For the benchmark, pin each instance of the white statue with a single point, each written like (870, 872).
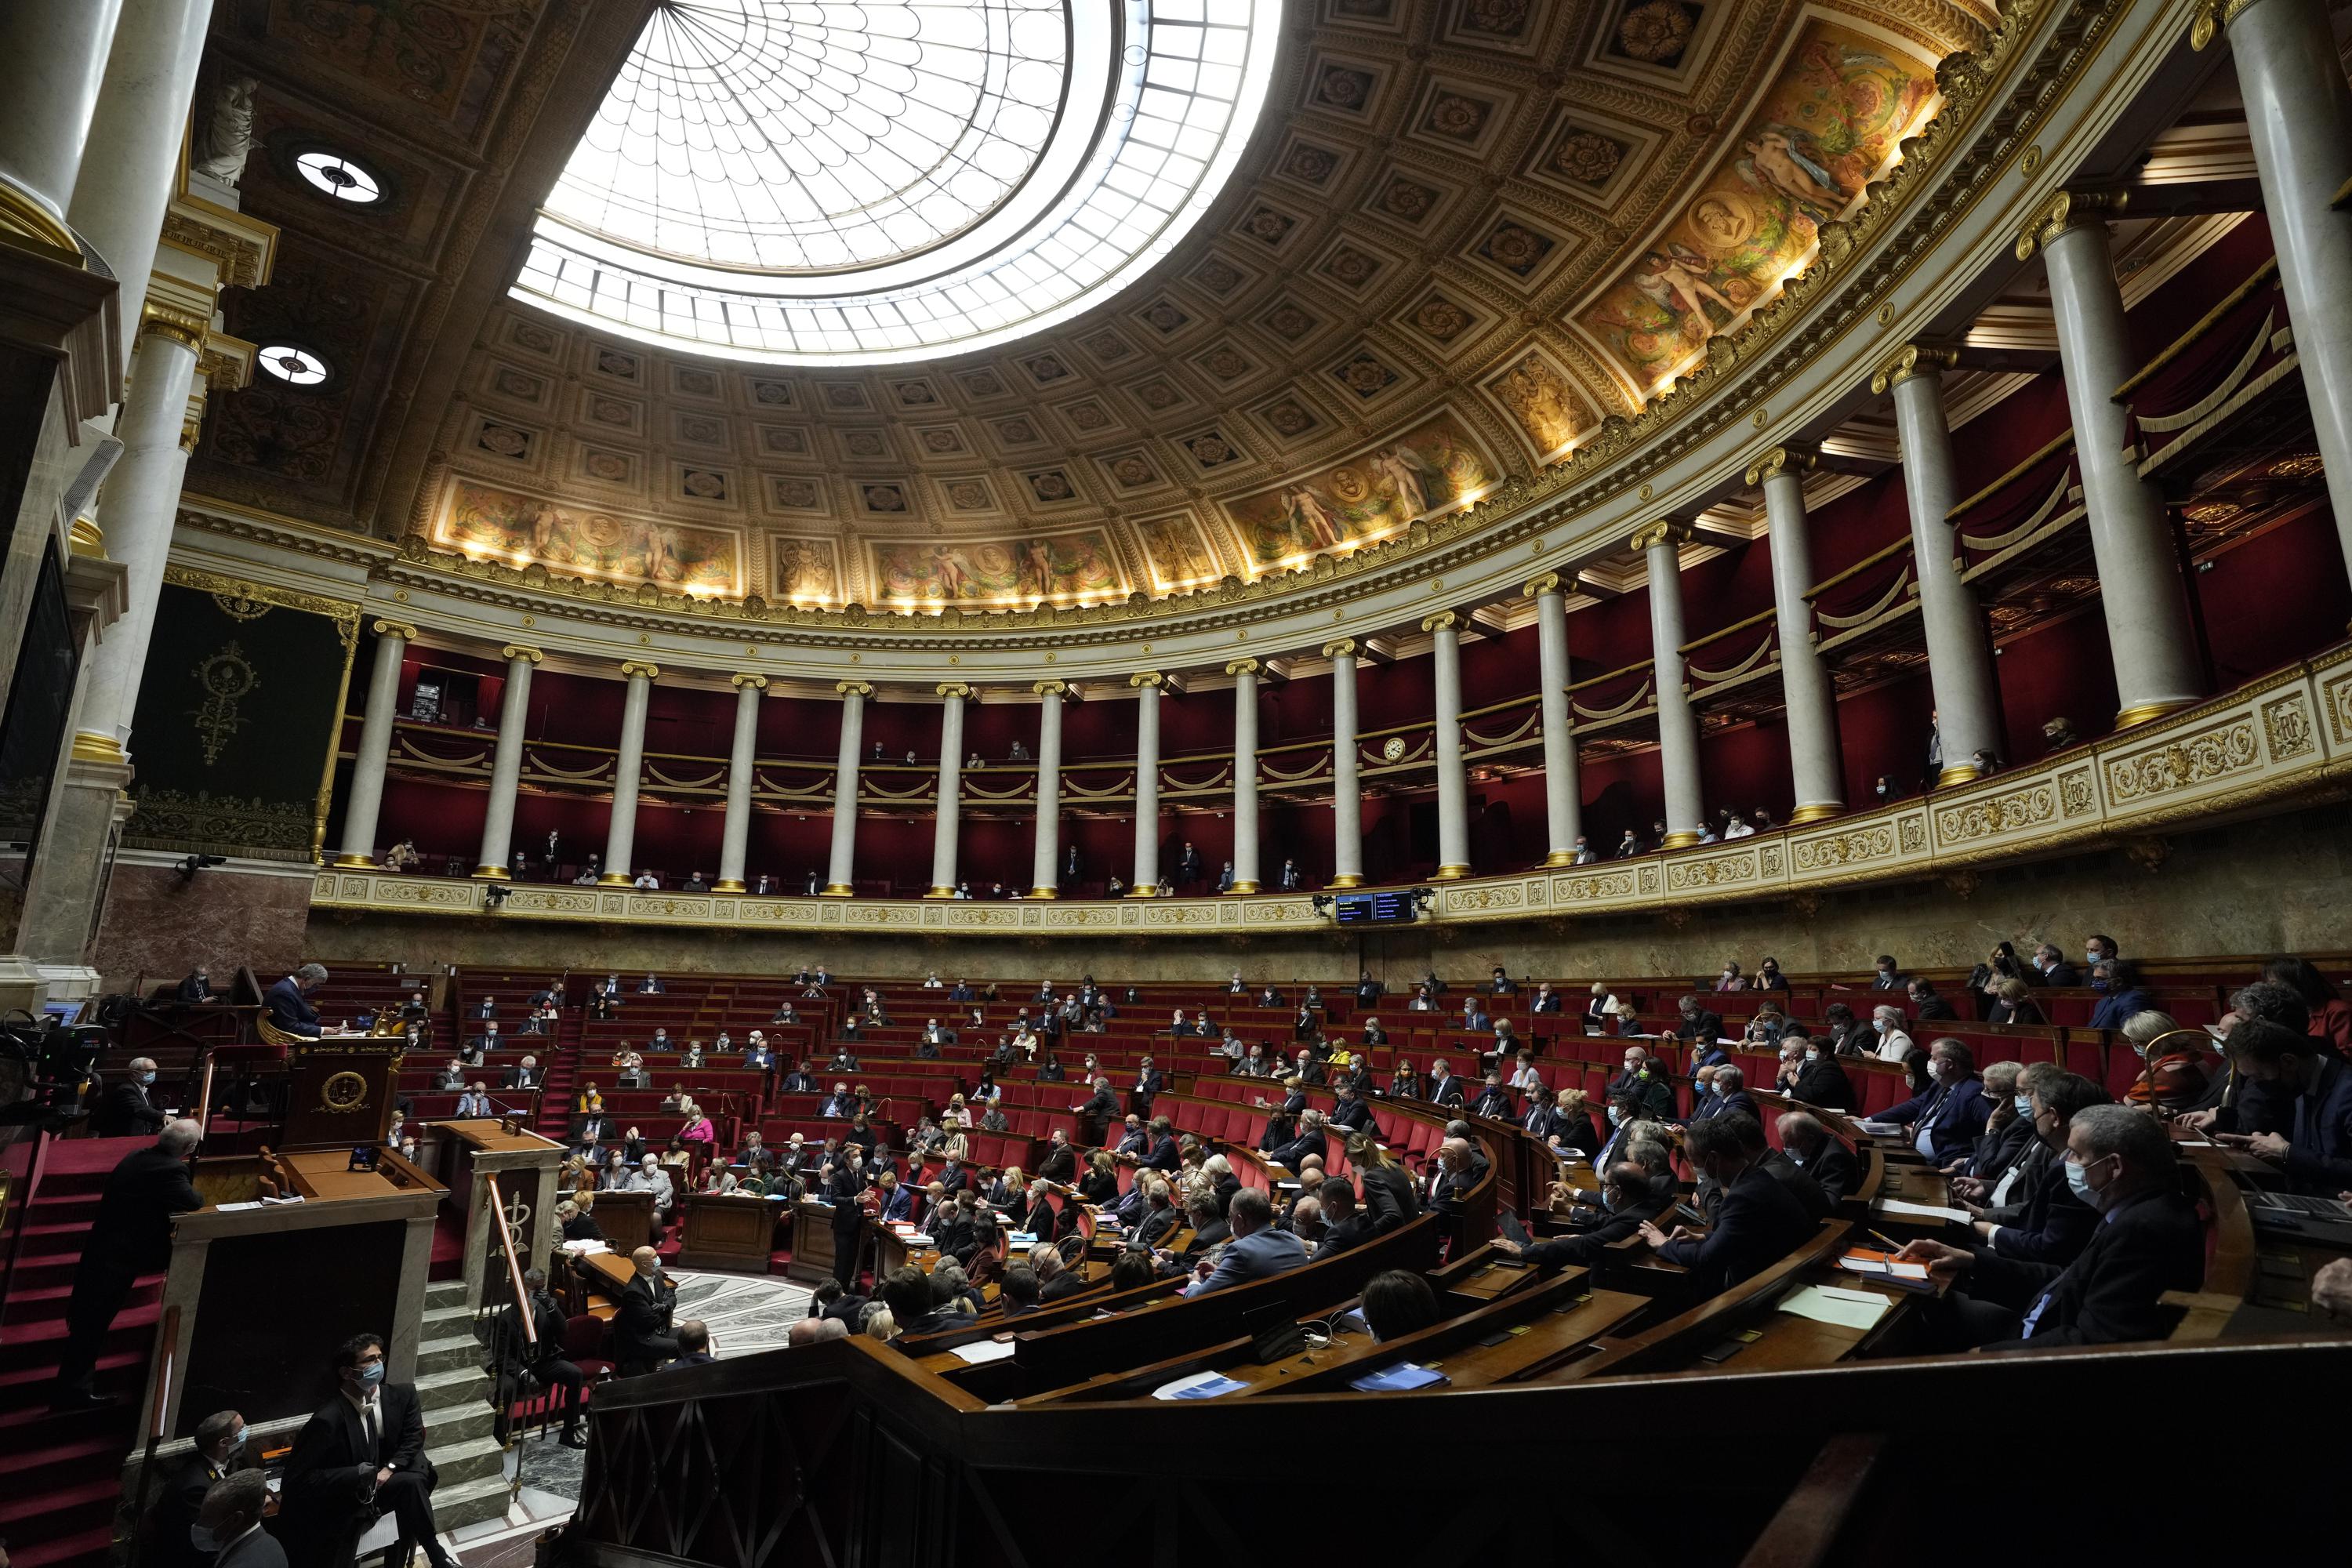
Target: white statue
(225, 139)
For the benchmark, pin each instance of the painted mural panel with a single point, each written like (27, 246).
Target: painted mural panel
(1178, 556)
(520, 529)
(1832, 122)
(1041, 566)
(1434, 468)
(804, 570)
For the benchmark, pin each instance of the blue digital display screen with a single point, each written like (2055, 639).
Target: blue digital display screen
(1375, 909)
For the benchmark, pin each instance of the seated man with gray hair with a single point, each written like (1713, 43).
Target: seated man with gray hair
(2149, 1240)
(289, 1005)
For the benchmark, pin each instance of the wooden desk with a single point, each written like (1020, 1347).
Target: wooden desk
(734, 1232)
(1529, 1351)
(813, 1255)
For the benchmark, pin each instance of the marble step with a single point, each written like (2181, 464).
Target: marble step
(444, 1293)
(454, 1390)
(465, 1461)
(470, 1503)
(449, 1352)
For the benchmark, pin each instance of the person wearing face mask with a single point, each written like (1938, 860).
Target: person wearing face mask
(1726, 1095)
(2054, 1224)
(1822, 1081)
(1946, 1117)
(2051, 968)
(2148, 1240)
(1757, 1221)
(1893, 1044)
(1630, 1198)
(1645, 1079)
(1625, 1112)
(125, 1111)
(2317, 1155)
(642, 1339)
(1889, 977)
(2173, 1076)
(227, 1530)
(359, 1456)
(1826, 1160)
(2119, 978)
(170, 1534)
(2009, 1123)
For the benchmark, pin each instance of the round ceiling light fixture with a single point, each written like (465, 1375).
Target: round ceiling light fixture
(298, 367)
(339, 176)
(814, 182)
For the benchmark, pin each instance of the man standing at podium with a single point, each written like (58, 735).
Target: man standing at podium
(288, 1001)
(359, 1456)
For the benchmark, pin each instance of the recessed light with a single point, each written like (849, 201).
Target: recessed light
(289, 363)
(340, 177)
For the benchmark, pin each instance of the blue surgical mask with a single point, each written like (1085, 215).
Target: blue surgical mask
(204, 1537)
(1812, 1055)
(1608, 1198)
(1715, 1085)
(2081, 1184)
(242, 1434)
(2024, 1103)
(2100, 985)
(373, 1373)
(1616, 1117)
(146, 1077)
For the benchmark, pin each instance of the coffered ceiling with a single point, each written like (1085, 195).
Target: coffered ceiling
(1467, 232)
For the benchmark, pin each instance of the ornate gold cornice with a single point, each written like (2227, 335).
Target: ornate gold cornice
(1789, 457)
(756, 682)
(400, 630)
(226, 361)
(242, 247)
(1342, 647)
(185, 328)
(1241, 667)
(955, 688)
(639, 666)
(1541, 583)
(1150, 678)
(1443, 621)
(853, 689)
(1050, 688)
(2065, 210)
(514, 650)
(1665, 531)
(246, 589)
(1913, 359)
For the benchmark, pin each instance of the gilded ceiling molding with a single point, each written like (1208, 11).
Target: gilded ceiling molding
(183, 327)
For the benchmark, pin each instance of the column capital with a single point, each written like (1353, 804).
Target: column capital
(2068, 209)
(2213, 17)
(1150, 678)
(1443, 621)
(1913, 359)
(638, 667)
(1050, 688)
(1543, 583)
(1342, 647)
(756, 682)
(226, 362)
(514, 650)
(955, 688)
(400, 630)
(852, 689)
(183, 327)
(1790, 458)
(1665, 531)
(1243, 666)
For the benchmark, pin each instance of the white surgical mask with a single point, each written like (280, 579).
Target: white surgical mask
(2024, 1103)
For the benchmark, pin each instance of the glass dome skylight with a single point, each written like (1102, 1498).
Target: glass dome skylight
(825, 182)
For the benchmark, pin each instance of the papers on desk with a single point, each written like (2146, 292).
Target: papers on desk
(586, 1248)
(1920, 1211)
(979, 1352)
(1879, 1128)
(1886, 1269)
(232, 1208)
(1399, 1379)
(1829, 1304)
(278, 1202)
(1200, 1385)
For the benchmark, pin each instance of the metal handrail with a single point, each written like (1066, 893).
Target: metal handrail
(1864, 565)
(514, 1267)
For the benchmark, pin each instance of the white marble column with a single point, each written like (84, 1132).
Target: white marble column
(365, 803)
(1045, 873)
(2299, 117)
(137, 509)
(735, 838)
(1808, 701)
(506, 770)
(1346, 796)
(1453, 778)
(52, 58)
(130, 162)
(621, 833)
(2149, 635)
(1147, 783)
(1245, 674)
(1563, 790)
(1662, 541)
(946, 820)
(842, 860)
(1960, 648)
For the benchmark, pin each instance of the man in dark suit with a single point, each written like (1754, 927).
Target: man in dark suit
(196, 988)
(1758, 1224)
(1698, 1025)
(1494, 1100)
(480, 1048)
(1165, 1156)
(1778, 1165)
(1949, 1116)
(2051, 968)
(1097, 1114)
(653, 986)
(164, 1542)
(2149, 1240)
(642, 1340)
(1368, 990)
(2052, 1225)
(1889, 977)
(524, 1074)
(1926, 1004)
(1345, 1224)
(1311, 1141)
(844, 1189)
(1826, 1160)
(487, 1007)
(124, 1111)
(1630, 1198)
(231, 1514)
(522, 1361)
(1822, 1081)
(1726, 1095)
(1149, 1081)
(1645, 1081)
(288, 1003)
(452, 1075)
(2316, 1153)
(362, 1454)
(1444, 1088)
(1258, 1250)
(1187, 865)
(131, 1236)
